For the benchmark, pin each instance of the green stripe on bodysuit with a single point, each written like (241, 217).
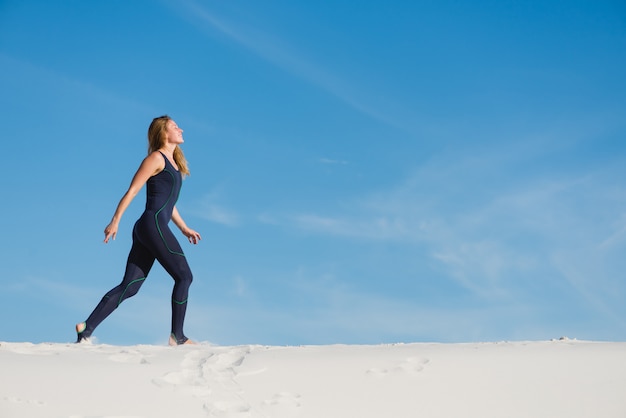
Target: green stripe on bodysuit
(119, 302)
(156, 219)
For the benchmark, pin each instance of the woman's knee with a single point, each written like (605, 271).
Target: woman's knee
(184, 278)
(188, 278)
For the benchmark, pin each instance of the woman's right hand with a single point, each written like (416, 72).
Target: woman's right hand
(110, 232)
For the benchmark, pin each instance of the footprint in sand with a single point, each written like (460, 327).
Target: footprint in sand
(129, 356)
(107, 416)
(234, 409)
(410, 365)
(283, 403)
(15, 400)
(43, 349)
(210, 375)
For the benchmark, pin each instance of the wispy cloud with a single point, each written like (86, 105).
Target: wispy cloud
(217, 214)
(21, 70)
(367, 226)
(54, 291)
(291, 59)
(618, 234)
(335, 310)
(209, 208)
(328, 311)
(495, 235)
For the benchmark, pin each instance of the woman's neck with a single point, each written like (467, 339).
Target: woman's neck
(168, 149)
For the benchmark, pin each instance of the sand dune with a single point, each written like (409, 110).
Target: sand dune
(562, 378)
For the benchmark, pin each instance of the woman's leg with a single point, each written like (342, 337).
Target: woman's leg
(170, 255)
(139, 263)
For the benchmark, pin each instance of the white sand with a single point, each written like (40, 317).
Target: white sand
(501, 380)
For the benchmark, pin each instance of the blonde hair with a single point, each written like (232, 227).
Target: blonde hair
(156, 140)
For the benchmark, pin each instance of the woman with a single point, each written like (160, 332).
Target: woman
(162, 170)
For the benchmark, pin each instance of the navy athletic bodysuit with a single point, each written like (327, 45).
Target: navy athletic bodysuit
(152, 240)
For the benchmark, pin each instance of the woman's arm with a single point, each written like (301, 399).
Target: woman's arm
(191, 235)
(150, 166)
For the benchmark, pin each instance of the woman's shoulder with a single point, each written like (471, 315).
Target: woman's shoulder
(155, 160)
(156, 155)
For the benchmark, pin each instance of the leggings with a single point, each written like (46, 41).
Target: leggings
(152, 240)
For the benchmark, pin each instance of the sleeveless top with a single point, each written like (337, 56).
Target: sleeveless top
(162, 192)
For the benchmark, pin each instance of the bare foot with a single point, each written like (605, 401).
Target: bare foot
(80, 335)
(172, 341)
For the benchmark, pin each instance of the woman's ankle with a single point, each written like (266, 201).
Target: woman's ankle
(173, 341)
(82, 334)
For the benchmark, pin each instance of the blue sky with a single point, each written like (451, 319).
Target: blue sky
(361, 172)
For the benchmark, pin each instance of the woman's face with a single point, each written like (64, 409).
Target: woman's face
(174, 133)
